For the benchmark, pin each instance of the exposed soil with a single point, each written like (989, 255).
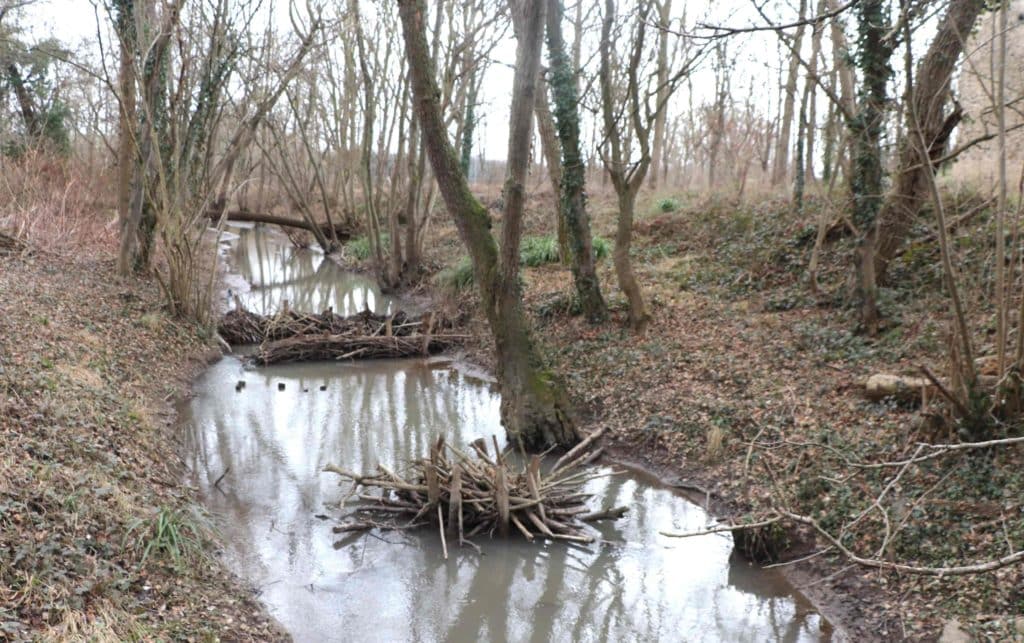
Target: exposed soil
(99, 537)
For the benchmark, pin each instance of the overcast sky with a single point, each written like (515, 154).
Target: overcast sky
(756, 75)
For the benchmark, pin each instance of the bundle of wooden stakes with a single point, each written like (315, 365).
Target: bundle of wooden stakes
(466, 496)
(290, 336)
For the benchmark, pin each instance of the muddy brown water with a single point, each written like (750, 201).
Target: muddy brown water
(275, 509)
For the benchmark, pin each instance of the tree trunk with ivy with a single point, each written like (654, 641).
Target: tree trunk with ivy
(573, 198)
(866, 131)
(469, 128)
(149, 182)
(927, 113)
(534, 407)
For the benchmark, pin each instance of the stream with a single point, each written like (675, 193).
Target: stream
(267, 444)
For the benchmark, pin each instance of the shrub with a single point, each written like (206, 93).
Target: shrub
(668, 204)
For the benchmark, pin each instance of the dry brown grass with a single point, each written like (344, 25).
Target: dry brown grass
(60, 205)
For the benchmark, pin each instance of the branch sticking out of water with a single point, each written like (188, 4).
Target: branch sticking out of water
(467, 496)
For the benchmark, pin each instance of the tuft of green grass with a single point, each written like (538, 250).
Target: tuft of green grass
(171, 535)
(602, 247)
(457, 277)
(360, 249)
(537, 251)
(668, 204)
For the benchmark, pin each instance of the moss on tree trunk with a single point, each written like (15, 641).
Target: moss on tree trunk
(534, 408)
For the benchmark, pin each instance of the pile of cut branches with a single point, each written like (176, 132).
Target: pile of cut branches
(289, 336)
(466, 496)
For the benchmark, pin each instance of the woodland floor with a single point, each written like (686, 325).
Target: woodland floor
(99, 538)
(739, 352)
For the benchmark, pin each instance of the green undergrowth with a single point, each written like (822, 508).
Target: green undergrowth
(360, 249)
(539, 250)
(457, 277)
(534, 251)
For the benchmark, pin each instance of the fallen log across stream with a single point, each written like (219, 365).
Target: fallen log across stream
(464, 496)
(289, 336)
(342, 230)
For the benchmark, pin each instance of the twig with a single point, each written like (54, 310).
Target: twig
(721, 529)
(217, 482)
(440, 524)
(959, 570)
(945, 392)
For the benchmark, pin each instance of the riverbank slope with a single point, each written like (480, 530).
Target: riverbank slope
(749, 385)
(99, 537)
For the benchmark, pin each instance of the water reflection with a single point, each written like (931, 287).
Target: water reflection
(273, 503)
(635, 585)
(310, 282)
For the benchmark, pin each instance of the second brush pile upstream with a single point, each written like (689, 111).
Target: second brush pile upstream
(290, 336)
(464, 496)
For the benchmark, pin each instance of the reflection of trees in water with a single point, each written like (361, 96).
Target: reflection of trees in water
(277, 443)
(627, 587)
(306, 279)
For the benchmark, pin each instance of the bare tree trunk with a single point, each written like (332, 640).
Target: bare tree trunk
(412, 203)
(657, 146)
(139, 228)
(535, 407)
(926, 111)
(716, 121)
(811, 125)
(841, 61)
(552, 150)
(639, 316)
(373, 232)
(626, 180)
(125, 23)
(781, 168)
(1002, 300)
